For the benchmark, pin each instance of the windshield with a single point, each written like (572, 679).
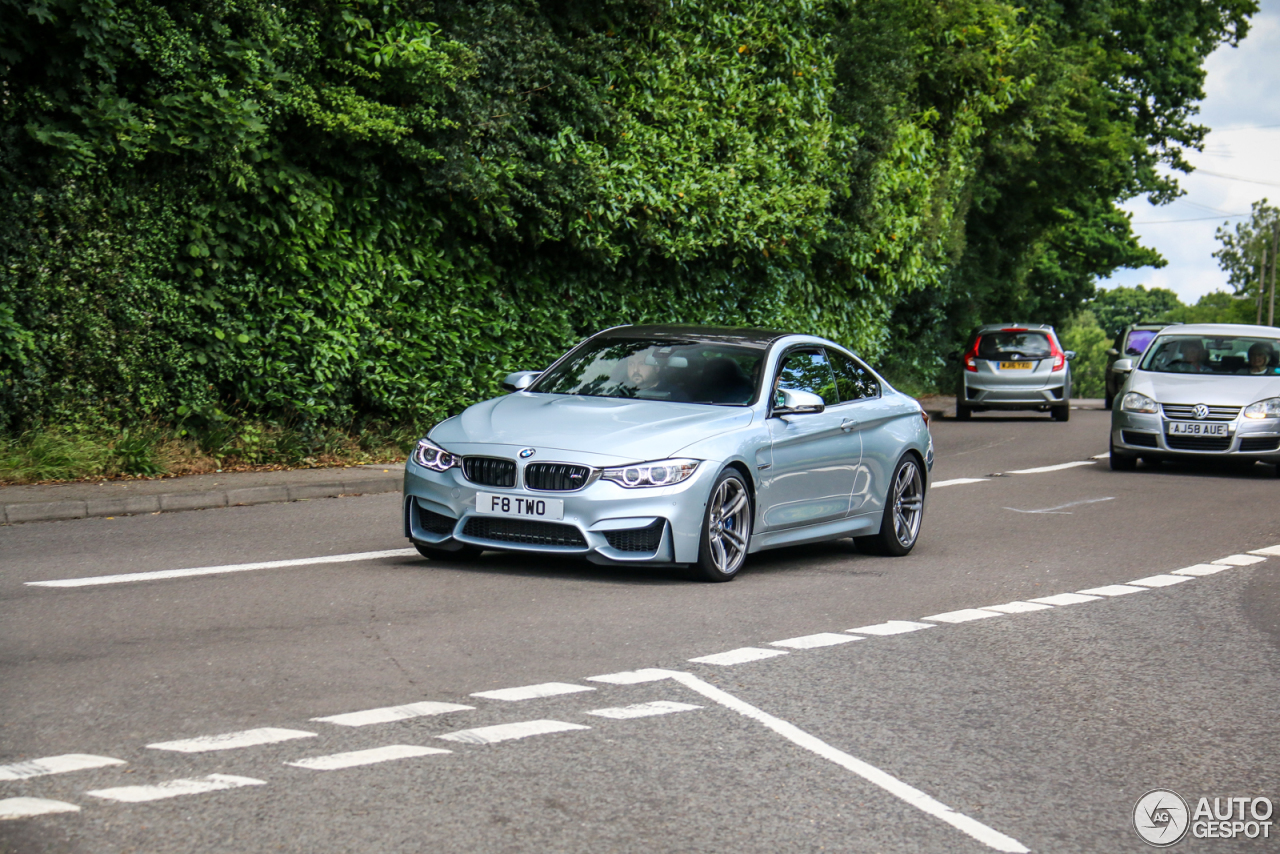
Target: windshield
(1016, 345)
(647, 369)
(1213, 354)
(1138, 341)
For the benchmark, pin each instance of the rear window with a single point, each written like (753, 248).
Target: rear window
(1138, 341)
(1014, 345)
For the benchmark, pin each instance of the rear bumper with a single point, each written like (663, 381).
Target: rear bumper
(1014, 398)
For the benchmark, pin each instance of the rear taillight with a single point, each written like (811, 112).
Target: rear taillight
(971, 357)
(1059, 357)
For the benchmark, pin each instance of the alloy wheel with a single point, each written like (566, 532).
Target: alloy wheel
(908, 503)
(729, 525)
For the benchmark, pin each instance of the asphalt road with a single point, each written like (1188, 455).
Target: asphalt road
(1036, 729)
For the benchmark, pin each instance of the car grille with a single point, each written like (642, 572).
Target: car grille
(1198, 443)
(555, 477)
(1186, 412)
(1145, 440)
(523, 531)
(644, 539)
(489, 471)
(435, 523)
(1260, 443)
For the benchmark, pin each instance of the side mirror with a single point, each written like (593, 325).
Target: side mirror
(1122, 366)
(1070, 354)
(1112, 351)
(794, 402)
(520, 380)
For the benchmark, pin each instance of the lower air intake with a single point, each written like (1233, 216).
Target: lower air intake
(523, 531)
(435, 523)
(1143, 440)
(1254, 444)
(1199, 443)
(644, 539)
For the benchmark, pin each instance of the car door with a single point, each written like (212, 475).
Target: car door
(814, 454)
(873, 420)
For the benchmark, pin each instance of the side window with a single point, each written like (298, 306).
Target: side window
(807, 370)
(853, 380)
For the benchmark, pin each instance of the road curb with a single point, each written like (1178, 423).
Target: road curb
(54, 511)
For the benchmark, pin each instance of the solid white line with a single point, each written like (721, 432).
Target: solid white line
(631, 677)
(893, 627)
(1161, 580)
(737, 656)
(958, 481)
(1016, 607)
(509, 732)
(1112, 590)
(175, 788)
(11, 808)
(1105, 456)
(644, 710)
(372, 756)
(1200, 569)
(964, 615)
(1270, 551)
(1058, 467)
(218, 570)
(532, 692)
(392, 713)
(815, 641)
(913, 796)
(55, 765)
(232, 740)
(1239, 560)
(1066, 599)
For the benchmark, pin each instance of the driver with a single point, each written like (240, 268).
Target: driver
(1259, 359)
(646, 376)
(1192, 358)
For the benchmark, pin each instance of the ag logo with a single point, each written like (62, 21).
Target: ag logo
(526, 453)
(1161, 817)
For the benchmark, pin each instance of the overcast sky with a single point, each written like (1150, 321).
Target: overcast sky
(1242, 108)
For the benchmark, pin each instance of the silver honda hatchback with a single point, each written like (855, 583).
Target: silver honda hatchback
(1015, 366)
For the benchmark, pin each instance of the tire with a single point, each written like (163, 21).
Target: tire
(726, 529)
(1108, 398)
(466, 553)
(963, 413)
(903, 512)
(1122, 462)
(1060, 413)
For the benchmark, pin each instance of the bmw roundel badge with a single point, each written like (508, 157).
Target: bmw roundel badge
(526, 453)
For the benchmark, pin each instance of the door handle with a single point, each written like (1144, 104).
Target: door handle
(848, 424)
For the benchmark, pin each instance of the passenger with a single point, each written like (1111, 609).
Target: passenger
(1259, 359)
(1192, 359)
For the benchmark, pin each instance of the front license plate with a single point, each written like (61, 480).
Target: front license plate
(1015, 366)
(1183, 428)
(519, 506)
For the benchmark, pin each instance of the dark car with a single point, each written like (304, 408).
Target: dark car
(1129, 344)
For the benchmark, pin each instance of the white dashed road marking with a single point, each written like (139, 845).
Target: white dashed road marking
(1200, 569)
(1112, 590)
(1058, 467)
(630, 677)
(1239, 560)
(509, 732)
(11, 808)
(1016, 607)
(393, 713)
(175, 788)
(532, 692)
(737, 656)
(893, 627)
(55, 765)
(958, 481)
(372, 756)
(913, 796)
(1066, 599)
(218, 570)
(814, 641)
(1161, 580)
(1269, 551)
(232, 740)
(644, 710)
(964, 615)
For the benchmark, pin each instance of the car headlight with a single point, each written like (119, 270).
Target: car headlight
(432, 456)
(659, 473)
(1134, 402)
(1269, 408)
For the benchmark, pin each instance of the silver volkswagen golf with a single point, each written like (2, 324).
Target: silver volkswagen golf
(676, 445)
(1208, 390)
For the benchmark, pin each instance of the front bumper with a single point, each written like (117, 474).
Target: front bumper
(603, 522)
(1143, 434)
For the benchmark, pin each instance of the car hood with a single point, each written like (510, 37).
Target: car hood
(1211, 389)
(620, 429)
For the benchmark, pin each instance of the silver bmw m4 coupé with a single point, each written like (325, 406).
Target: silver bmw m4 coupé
(676, 445)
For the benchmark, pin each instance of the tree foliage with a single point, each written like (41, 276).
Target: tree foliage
(337, 210)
